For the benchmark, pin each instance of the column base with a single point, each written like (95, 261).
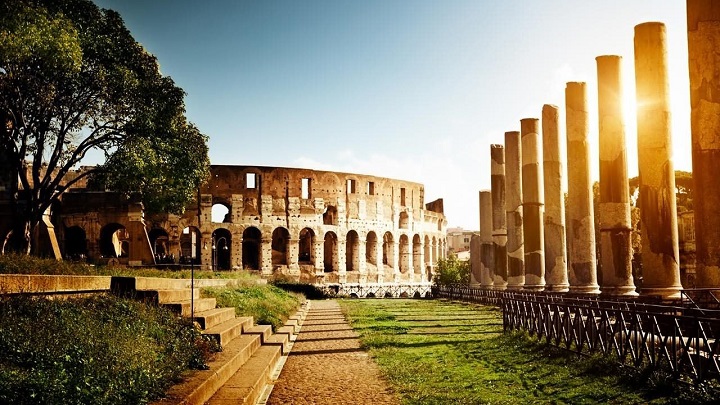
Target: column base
(668, 293)
(557, 287)
(623, 291)
(584, 289)
(535, 287)
(515, 283)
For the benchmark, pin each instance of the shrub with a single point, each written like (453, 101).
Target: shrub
(269, 305)
(452, 271)
(101, 350)
(310, 291)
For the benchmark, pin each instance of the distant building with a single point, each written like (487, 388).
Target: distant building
(458, 240)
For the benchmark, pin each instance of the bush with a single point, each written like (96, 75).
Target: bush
(310, 291)
(269, 305)
(101, 350)
(452, 271)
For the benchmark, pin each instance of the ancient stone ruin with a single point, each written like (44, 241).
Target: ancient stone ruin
(527, 173)
(305, 225)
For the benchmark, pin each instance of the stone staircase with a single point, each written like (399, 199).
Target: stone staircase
(240, 373)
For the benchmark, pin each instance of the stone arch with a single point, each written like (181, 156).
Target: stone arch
(388, 249)
(221, 249)
(159, 244)
(428, 246)
(352, 251)
(306, 252)
(416, 254)
(280, 242)
(75, 243)
(404, 251)
(252, 238)
(221, 211)
(330, 215)
(404, 221)
(190, 243)
(371, 247)
(330, 251)
(114, 241)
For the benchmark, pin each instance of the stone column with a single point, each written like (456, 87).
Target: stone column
(533, 204)
(475, 257)
(614, 213)
(514, 211)
(703, 27)
(266, 256)
(293, 253)
(658, 211)
(556, 279)
(486, 240)
(582, 269)
(497, 185)
(362, 261)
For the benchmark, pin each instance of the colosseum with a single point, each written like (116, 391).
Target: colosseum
(306, 225)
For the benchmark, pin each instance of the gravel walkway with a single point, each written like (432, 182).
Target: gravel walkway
(327, 366)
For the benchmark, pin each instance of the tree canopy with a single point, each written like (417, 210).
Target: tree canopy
(74, 80)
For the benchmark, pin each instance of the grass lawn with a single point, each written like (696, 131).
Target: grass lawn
(436, 352)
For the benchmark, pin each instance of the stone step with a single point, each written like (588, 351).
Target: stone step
(211, 317)
(288, 330)
(183, 307)
(248, 383)
(165, 296)
(295, 323)
(200, 386)
(280, 339)
(225, 332)
(265, 331)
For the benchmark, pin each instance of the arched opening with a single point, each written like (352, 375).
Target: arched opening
(404, 254)
(220, 213)
(330, 251)
(439, 224)
(307, 240)
(404, 220)
(417, 250)
(221, 249)
(251, 248)
(352, 251)
(159, 243)
(114, 241)
(280, 239)
(190, 246)
(330, 215)
(75, 243)
(371, 248)
(388, 250)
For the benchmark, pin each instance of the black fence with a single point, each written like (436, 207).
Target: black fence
(679, 337)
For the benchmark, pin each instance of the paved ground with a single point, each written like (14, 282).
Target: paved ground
(327, 366)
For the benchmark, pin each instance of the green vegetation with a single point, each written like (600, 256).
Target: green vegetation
(74, 81)
(452, 271)
(435, 352)
(101, 350)
(267, 304)
(22, 264)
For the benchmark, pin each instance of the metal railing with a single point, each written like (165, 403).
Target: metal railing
(681, 339)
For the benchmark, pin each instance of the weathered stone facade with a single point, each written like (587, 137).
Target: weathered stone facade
(308, 225)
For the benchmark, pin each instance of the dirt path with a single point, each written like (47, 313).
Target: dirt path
(327, 366)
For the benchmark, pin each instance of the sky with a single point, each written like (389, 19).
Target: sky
(408, 89)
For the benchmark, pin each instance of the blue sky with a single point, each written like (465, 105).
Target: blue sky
(416, 90)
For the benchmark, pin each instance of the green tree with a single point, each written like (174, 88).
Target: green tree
(452, 271)
(73, 80)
